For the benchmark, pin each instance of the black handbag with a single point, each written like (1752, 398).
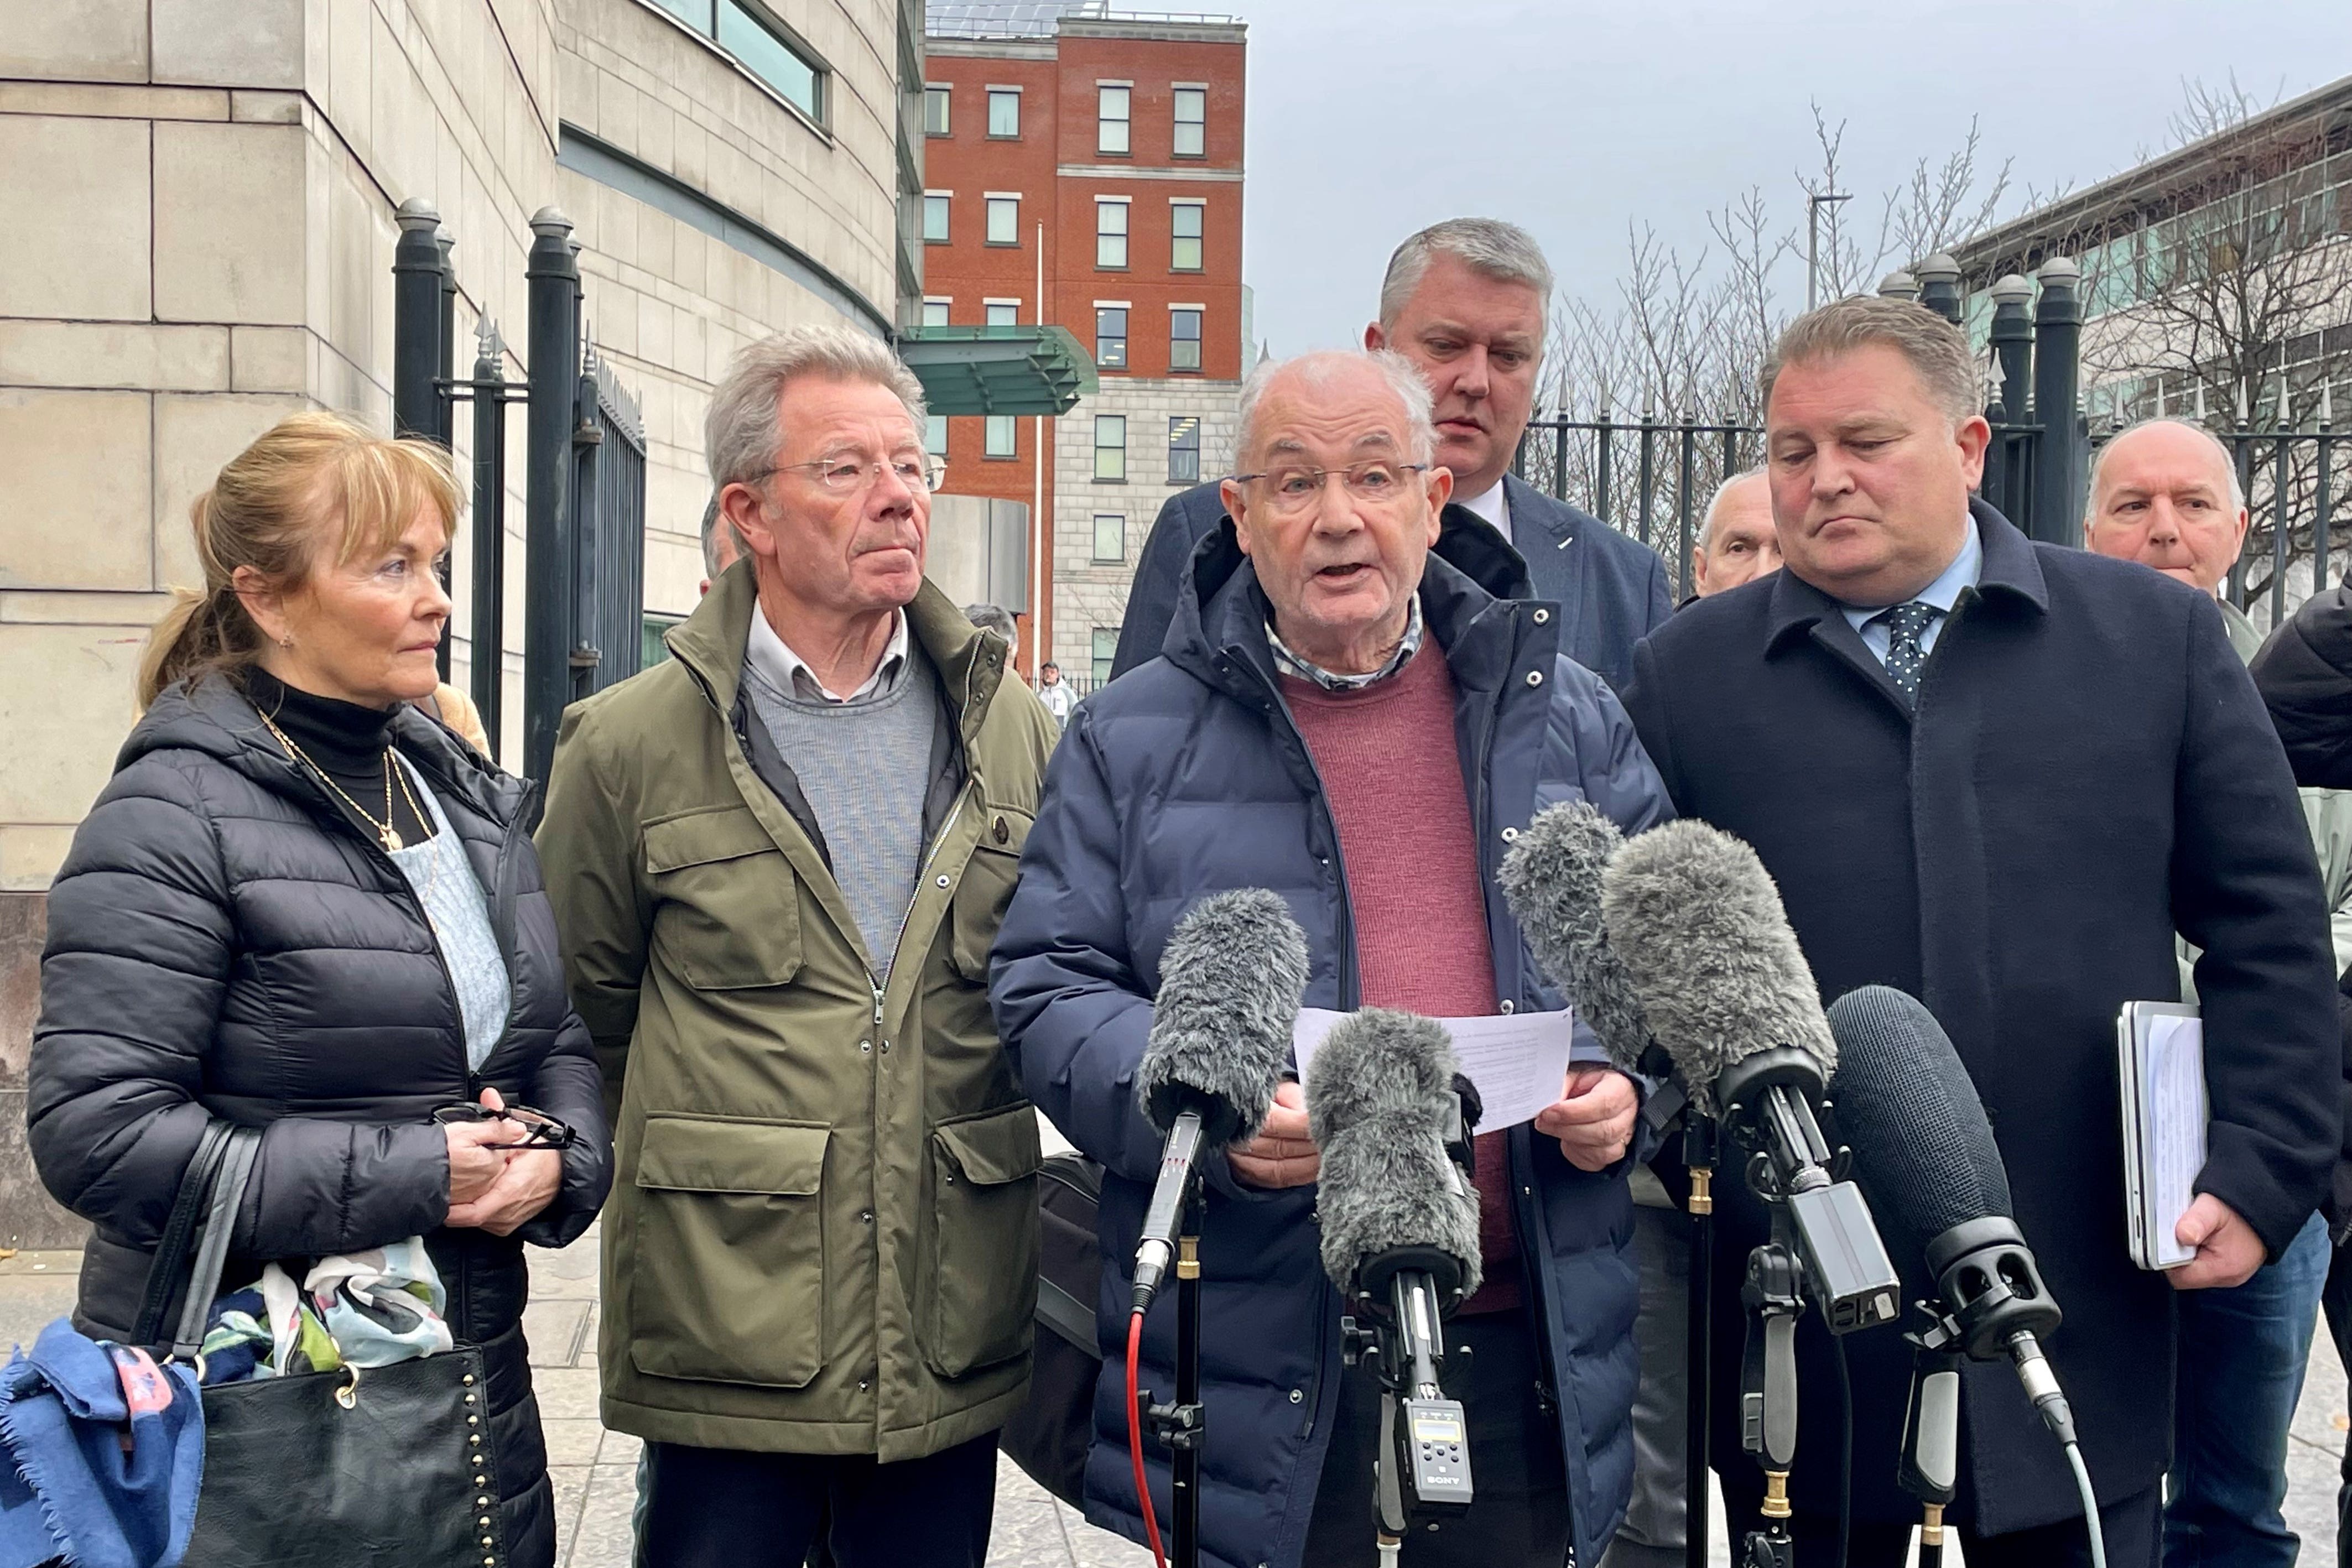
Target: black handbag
(387, 1467)
(1048, 1436)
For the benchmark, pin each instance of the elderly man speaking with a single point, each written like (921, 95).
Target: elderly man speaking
(1361, 725)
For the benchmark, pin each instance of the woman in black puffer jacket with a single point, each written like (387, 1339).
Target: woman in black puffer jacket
(304, 907)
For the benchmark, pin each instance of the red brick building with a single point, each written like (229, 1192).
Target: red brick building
(1100, 150)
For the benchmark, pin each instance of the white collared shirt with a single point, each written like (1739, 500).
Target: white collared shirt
(1493, 506)
(1942, 593)
(787, 672)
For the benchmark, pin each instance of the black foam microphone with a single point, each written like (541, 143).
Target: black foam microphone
(1551, 877)
(1921, 1141)
(1230, 982)
(1724, 988)
(1400, 1229)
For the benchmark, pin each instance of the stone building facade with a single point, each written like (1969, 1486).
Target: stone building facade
(200, 242)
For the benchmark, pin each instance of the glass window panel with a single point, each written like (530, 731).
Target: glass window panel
(1184, 252)
(1003, 221)
(936, 105)
(1110, 338)
(694, 14)
(1184, 450)
(1004, 114)
(1110, 118)
(1110, 536)
(770, 60)
(1001, 438)
(1005, 315)
(1105, 649)
(1111, 446)
(1191, 121)
(934, 434)
(1183, 339)
(935, 312)
(935, 220)
(1110, 234)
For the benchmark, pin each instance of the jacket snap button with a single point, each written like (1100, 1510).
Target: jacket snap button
(1510, 835)
(1542, 616)
(865, 1045)
(1535, 677)
(1002, 832)
(1296, 1396)
(866, 1215)
(1508, 1007)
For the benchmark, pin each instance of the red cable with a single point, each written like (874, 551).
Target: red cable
(1135, 1435)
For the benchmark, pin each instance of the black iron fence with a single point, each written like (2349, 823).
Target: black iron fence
(1650, 477)
(584, 475)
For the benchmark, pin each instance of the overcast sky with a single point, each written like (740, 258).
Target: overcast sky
(1369, 118)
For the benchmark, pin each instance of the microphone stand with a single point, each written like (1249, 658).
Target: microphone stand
(1181, 1424)
(1699, 1406)
(1931, 1439)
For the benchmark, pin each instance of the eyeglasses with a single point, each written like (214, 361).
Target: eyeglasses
(843, 474)
(1293, 489)
(544, 1132)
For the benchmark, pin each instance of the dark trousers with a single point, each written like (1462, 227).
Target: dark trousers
(1521, 1515)
(722, 1508)
(2134, 1528)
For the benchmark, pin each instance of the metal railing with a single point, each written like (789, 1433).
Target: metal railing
(1650, 478)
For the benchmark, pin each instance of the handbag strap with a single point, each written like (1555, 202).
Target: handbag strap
(170, 1266)
(204, 1279)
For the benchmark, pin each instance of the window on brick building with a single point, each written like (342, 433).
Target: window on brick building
(938, 103)
(1184, 450)
(934, 434)
(1105, 649)
(1110, 234)
(935, 312)
(935, 219)
(1191, 121)
(1111, 109)
(1004, 112)
(1005, 313)
(1002, 441)
(1183, 339)
(1005, 220)
(1110, 448)
(1186, 224)
(1110, 336)
(1110, 536)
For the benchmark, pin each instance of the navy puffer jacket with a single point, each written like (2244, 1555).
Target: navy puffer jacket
(1185, 778)
(224, 942)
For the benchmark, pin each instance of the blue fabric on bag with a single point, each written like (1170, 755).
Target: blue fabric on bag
(70, 1488)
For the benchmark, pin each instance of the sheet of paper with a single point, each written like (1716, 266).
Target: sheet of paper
(1519, 1060)
(2174, 1130)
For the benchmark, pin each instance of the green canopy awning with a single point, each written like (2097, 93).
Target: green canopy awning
(1023, 371)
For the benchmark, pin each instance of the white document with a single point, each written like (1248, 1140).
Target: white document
(2164, 1111)
(1519, 1060)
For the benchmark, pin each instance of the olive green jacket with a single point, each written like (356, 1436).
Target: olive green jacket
(821, 1237)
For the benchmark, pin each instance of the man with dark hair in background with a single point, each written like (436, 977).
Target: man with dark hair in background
(1466, 300)
(2002, 776)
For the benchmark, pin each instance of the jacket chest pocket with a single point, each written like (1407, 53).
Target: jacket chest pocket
(726, 903)
(986, 891)
(982, 1256)
(728, 1281)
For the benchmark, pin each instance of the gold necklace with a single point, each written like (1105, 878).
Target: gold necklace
(386, 834)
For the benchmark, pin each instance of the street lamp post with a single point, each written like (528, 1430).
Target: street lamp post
(1814, 202)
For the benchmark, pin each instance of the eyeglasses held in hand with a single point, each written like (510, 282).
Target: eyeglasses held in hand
(544, 1131)
(1294, 487)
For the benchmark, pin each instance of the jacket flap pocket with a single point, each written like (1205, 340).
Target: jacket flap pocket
(998, 1147)
(1005, 828)
(699, 838)
(704, 1154)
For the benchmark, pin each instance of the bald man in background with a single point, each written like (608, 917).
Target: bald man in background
(1737, 543)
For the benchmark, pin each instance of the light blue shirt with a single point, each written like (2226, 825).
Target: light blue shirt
(1942, 593)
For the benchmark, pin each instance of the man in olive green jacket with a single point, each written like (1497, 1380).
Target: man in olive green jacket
(777, 904)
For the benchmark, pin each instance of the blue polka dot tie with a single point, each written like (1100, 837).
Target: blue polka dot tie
(1905, 656)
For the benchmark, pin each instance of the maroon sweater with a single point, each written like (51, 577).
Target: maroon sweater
(1392, 776)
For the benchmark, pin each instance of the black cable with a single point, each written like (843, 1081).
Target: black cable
(1845, 1448)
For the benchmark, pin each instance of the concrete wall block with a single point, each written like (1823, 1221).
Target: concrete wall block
(78, 244)
(114, 354)
(76, 40)
(98, 101)
(65, 709)
(229, 223)
(231, 43)
(195, 435)
(87, 608)
(78, 461)
(269, 358)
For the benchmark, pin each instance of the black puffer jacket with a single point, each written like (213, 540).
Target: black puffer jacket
(225, 942)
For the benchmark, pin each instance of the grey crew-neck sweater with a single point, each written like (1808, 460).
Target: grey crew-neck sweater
(865, 766)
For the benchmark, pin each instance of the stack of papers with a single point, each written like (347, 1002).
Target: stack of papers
(1518, 1061)
(2161, 1051)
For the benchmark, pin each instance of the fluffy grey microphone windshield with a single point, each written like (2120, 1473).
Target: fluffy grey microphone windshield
(1230, 981)
(1551, 877)
(1377, 1110)
(1699, 924)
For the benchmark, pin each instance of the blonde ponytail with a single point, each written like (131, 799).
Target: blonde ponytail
(314, 487)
